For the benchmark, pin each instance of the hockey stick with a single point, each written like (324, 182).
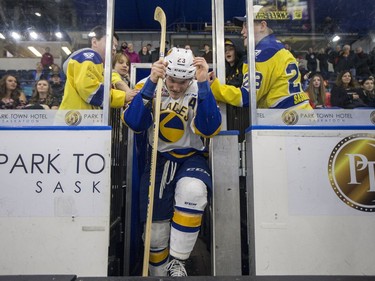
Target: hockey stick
(159, 16)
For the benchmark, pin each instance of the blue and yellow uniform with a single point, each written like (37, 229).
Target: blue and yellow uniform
(278, 80)
(182, 122)
(84, 87)
(182, 172)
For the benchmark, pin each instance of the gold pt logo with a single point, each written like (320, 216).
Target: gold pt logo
(351, 171)
(73, 118)
(290, 117)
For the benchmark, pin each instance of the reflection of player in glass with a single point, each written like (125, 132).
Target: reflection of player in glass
(278, 80)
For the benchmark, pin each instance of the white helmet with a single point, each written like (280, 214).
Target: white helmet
(180, 63)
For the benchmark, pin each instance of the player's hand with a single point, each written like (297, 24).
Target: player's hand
(158, 70)
(201, 66)
(211, 77)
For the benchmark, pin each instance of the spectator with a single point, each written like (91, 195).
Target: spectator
(40, 72)
(84, 87)
(304, 75)
(345, 92)
(57, 87)
(367, 92)
(207, 53)
(144, 55)
(234, 57)
(47, 59)
(318, 95)
(361, 62)
(121, 76)
(166, 46)
(372, 61)
(334, 57)
(329, 26)
(42, 97)
(312, 62)
(237, 118)
(188, 47)
(345, 60)
(55, 69)
(155, 53)
(11, 95)
(183, 177)
(322, 56)
(124, 47)
(132, 55)
(149, 48)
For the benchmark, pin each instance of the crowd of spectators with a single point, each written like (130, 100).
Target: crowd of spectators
(348, 84)
(39, 88)
(360, 64)
(324, 75)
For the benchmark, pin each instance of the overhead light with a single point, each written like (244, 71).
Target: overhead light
(15, 35)
(66, 50)
(34, 51)
(2, 36)
(58, 34)
(38, 14)
(33, 35)
(336, 38)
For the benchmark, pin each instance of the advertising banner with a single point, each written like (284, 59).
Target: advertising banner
(314, 201)
(19, 118)
(55, 200)
(317, 117)
(54, 173)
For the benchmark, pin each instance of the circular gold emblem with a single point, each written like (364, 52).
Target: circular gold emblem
(372, 117)
(351, 170)
(290, 117)
(73, 118)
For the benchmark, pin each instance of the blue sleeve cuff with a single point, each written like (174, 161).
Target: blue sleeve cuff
(203, 89)
(148, 89)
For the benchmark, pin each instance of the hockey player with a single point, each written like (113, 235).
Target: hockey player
(277, 75)
(84, 87)
(188, 113)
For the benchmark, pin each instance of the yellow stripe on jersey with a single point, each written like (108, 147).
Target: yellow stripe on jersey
(196, 131)
(157, 257)
(139, 85)
(187, 220)
(180, 156)
(305, 105)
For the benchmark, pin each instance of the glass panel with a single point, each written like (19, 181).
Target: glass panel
(36, 38)
(324, 57)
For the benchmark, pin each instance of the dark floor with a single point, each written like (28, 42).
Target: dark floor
(199, 263)
(199, 269)
(192, 278)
